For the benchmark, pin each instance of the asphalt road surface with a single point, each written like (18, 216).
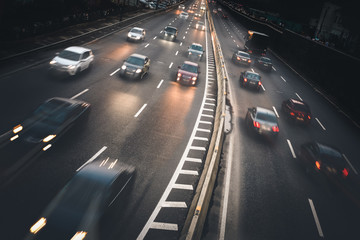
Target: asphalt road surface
(262, 193)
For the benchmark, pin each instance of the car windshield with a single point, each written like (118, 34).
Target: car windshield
(252, 76)
(69, 55)
(135, 30)
(243, 54)
(301, 107)
(189, 68)
(53, 112)
(170, 29)
(267, 60)
(264, 116)
(196, 47)
(135, 60)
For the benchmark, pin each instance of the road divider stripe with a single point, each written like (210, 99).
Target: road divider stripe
(276, 113)
(177, 52)
(350, 164)
(80, 93)
(147, 45)
(93, 157)
(321, 125)
(111, 74)
(317, 222)
(170, 204)
(183, 186)
(197, 148)
(171, 64)
(197, 160)
(164, 226)
(141, 109)
(189, 172)
(283, 78)
(158, 86)
(298, 96)
(291, 148)
(201, 138)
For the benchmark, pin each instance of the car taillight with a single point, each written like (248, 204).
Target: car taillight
(292, 113)
(309, 117)
(317, 164)
(245, 79)
(345, 172)
(256, 124)
(250, 51)
(275, 129)
(259, 83)
(179, 74)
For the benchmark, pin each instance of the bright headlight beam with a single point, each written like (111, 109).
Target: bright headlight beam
(38, 225)
(17, 128)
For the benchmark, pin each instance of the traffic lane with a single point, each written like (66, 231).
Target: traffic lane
(104, 116)
(273, 90)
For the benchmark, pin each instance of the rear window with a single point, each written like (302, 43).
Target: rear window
(266, 117)
(189, 68)
(252, 76)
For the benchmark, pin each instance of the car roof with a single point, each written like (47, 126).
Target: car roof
(191, 63)
(171, 27)
(137, 28)
(297, 102)
(77, 49)
(251, 72)
(70, 102)
(138, 55)
(197, 44)
(242, 52)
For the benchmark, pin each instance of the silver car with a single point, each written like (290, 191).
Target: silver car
(262, 121)
(72, 60)
(136, 34)
(195, 51)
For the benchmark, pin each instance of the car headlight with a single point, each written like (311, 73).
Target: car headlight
(129, 35)
(52, 62)
(123, 67)
(71, 67)
(194, 78)
(138, 70)
(190, 53)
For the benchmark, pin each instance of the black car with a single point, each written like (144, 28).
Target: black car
(84, 206)
(170, 33)
(264, 63)
(323, 158)
(262, 121)
(250, 79)
(241, 57)
(39, 132)
(297, 110)
(135, 66)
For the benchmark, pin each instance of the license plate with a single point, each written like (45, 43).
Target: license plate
(300, 119)
(265, 128)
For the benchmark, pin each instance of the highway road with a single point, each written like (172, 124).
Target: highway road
(262, 193)
(155, 124)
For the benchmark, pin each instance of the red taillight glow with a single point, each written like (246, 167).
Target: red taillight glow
(256, 124)
(292, 114)
(275, 129)
(259, 83)
(245, 79)
(317, 164)
(309, 117)
(345, 172)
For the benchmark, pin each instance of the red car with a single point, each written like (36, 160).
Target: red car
(188, 73)
(297, 110)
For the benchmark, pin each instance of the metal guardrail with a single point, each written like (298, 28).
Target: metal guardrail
(198, 211)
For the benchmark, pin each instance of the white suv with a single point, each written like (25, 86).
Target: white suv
(72, 60)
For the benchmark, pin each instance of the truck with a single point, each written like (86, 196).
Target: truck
(256, 43)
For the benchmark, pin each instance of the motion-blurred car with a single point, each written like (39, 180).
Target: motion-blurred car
(39, 132)
(188, 73)
(170, 33)
(136, 34)
(184, 15)
(263, 63)
(241, 58)
(297, 110)
(135, 66)
(262, 120)
(225, 16)
(323, 158)
(250, 79)
(82, 208)
(200, 25)
(72, 60)
(197, 15)
(182, 6)
(195, 51)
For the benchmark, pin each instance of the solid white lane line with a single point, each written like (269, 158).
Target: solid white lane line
(183, 186)
(322, 126)
(262, 86)
(298, 96)
(158, 86)
(93, 157)
(273, 68)
(207, 115)
(189, 172)
(197, 160)
(80, 93)
(317, 222)
(206, 122)
(203, 130)
(283, 78)
(183, 37)
(141, 109)
(181, 44)
(171, 204)
(276, 113)
(201, 138)
(177, 52)
(291, 148)
(114, 71)
(252, 70)
(164, 226)
(197, 148)
(171, 64)
(147, 45)
(350, 164)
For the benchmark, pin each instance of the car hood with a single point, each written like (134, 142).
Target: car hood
(195, 51)
(64, 61)
(132, 66)
(187, 73)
